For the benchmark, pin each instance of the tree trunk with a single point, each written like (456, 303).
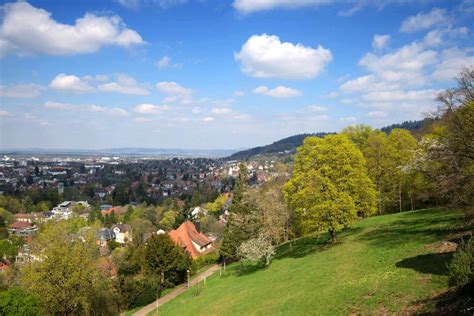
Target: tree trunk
(333, 235)
(411, 200)
(400, 196)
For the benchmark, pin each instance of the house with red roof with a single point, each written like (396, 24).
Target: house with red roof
(192, 240)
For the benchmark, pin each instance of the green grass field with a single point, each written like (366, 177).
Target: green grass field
(382, 265)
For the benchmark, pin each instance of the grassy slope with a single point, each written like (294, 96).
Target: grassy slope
(383, 264)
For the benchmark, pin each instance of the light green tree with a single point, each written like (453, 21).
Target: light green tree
(359, 134)
(330, 185)
(64, 273)
(168, 220)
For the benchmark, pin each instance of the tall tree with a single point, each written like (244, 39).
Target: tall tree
(330, 184)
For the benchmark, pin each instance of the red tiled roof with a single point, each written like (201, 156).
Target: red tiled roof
(20, 225)
(186, 234)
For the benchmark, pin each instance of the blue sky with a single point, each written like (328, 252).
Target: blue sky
(220, 74)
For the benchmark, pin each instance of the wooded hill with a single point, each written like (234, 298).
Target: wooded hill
(289, 144)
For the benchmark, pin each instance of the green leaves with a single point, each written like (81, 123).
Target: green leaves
(330, 184)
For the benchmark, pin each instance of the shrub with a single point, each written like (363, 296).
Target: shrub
(137, 291)
(206, 260)
(15, 301)
(461, 266)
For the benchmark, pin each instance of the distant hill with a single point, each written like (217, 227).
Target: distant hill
(408, 125)
(285, 145)
(289, 144)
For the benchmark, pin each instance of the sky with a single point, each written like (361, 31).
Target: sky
(215, 74)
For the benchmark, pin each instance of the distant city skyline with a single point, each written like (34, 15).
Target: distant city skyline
(214, 74)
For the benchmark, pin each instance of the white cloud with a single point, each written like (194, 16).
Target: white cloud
(70, 83)
(21, 91)
(239, 93)
(57, 105)
(348, 119)
(441, 36)
(249, 6)
(404, 66)
(423, 21)
(219, 111)
(147, 108)
(265, 56)
(377, 114)
(208, 119)
(278, 92)
(197, 110)
(165, 62)
(380, 42)
(172, 88)
(400, 95)
(4, 113)
(27, 30)
(126, 85)
(315, 108)
(118, 112)
(451, 62)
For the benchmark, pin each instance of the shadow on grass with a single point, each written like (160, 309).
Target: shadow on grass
(435, 226)
(433, 263)
(452, 302)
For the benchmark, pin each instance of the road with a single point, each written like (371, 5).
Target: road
(178, 290)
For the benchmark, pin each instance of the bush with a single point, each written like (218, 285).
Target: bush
(461, 266)
(206, 260)
(15, 301)
(137, 291)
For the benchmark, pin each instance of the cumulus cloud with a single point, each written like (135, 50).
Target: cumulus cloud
(265, 56)
(4, 113)
(172, 88)
(380, 42)
(377, 114)
(208, 119)
(423, 21)
(20, 91)
(126, 85)
(165, 62)
(27, 30)
(348, 119)
(70, 83)
(250, 6)
(404, 66)
(440, 36)
(278, 92)
(118, 112)
(115, 111)
(147, 108)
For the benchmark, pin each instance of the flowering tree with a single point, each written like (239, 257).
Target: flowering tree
(258, 248)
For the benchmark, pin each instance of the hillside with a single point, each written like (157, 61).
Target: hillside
(290, 144)
(383, 265)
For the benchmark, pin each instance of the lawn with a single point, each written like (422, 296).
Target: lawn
(382, 265)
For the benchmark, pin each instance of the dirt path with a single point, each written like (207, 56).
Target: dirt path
(178, 290)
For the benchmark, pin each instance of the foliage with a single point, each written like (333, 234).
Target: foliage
(358, 134)
(141, 227)
(205, 260)
(14, 301)
(461, 267)
(137, 291)
(9, 247)
(217, 205)
(256, 249)
(330, 185)
(67, 279)
(168, 220)
(163, 256)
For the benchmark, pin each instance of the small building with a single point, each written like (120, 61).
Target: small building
(122, 233)
(104, 235)
(192, 240)
(23, 229)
